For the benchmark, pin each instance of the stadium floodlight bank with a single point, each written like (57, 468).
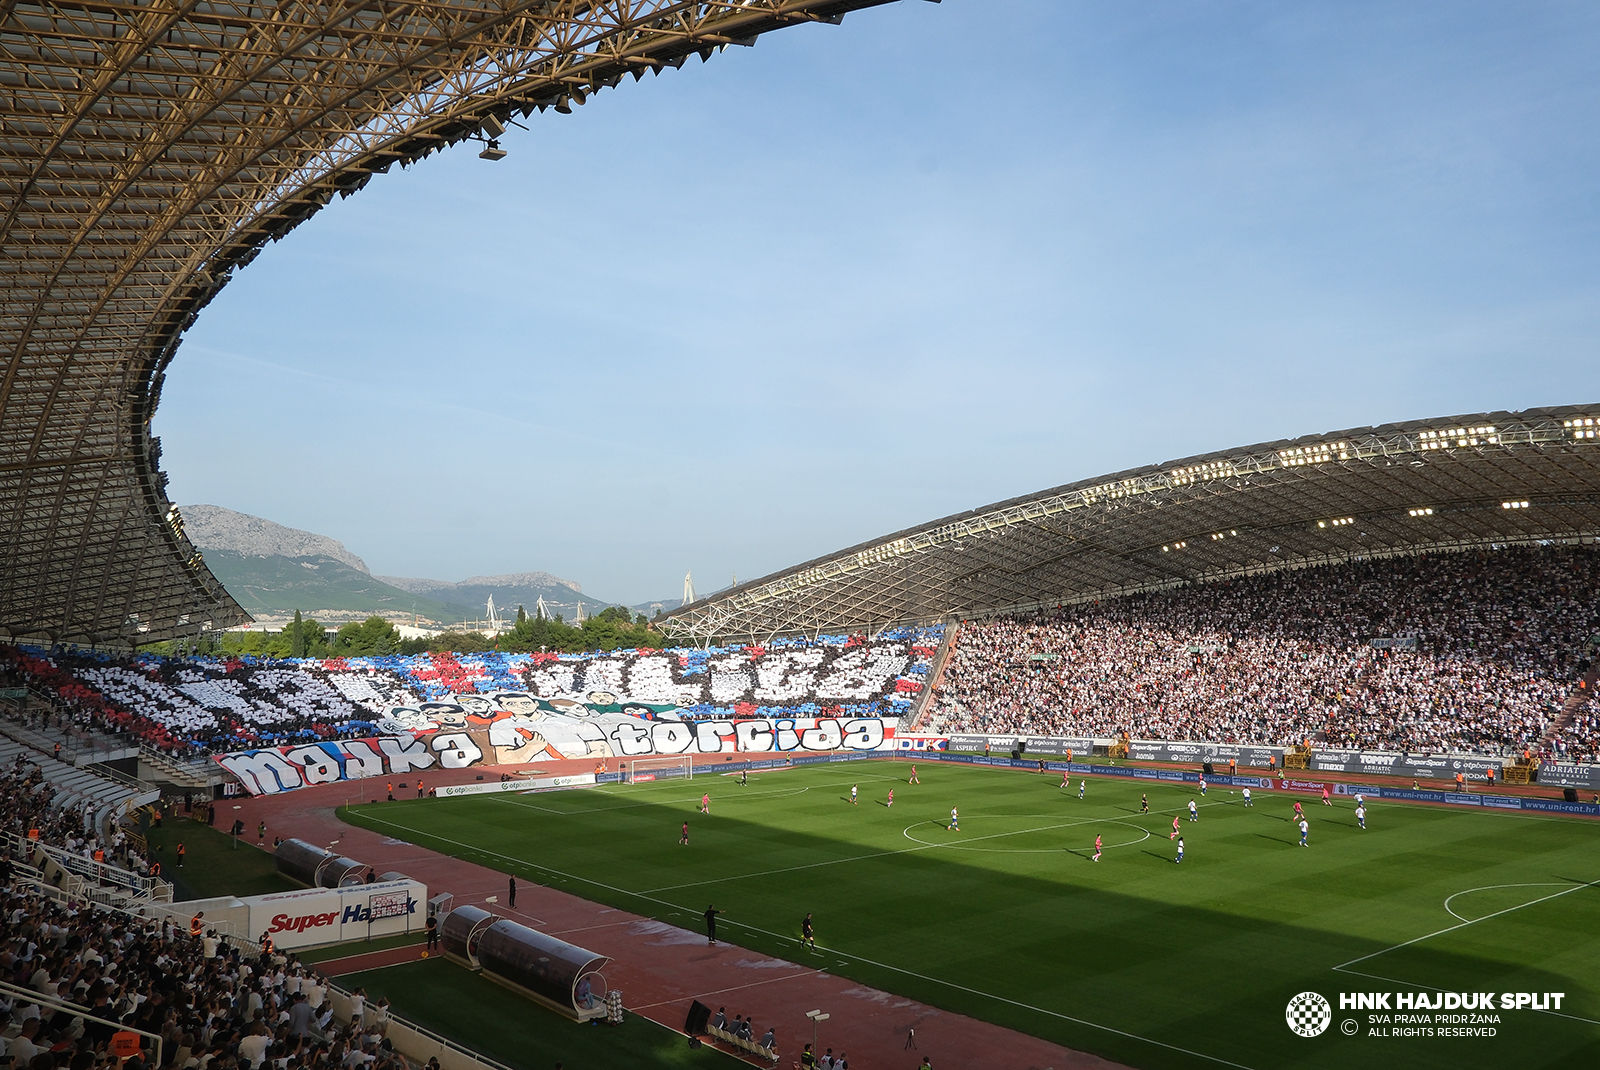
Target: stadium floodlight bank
(1454, 483)
(643, 770)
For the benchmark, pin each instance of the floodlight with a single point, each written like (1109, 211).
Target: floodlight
(492, 126)
(563, 105)
(492, 151)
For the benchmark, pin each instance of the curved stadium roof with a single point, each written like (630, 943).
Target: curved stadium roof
(1448, 484)
(149, 149)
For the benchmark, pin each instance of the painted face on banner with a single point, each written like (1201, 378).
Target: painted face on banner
(445, 714)
(519, 703)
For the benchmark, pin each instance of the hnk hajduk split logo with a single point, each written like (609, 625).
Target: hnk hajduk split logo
(1309, 1014)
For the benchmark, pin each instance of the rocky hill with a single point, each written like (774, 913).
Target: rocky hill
(274, 570)
(211, 527)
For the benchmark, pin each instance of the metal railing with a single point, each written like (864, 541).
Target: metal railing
(78, 746)
(28, 995)
(98, 874)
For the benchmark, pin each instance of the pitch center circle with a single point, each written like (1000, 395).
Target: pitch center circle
(970, 845)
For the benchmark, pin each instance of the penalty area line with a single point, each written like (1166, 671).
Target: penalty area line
(1464, 924)
(1431, 988)
(1344, 967)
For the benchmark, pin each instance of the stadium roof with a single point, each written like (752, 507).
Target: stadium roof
(150, 148)
(1448, 484)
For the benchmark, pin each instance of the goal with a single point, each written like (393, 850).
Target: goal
(678, 767)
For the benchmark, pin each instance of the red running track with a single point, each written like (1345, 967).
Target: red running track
(659, 967)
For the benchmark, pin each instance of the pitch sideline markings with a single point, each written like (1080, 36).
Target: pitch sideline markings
(856, 958)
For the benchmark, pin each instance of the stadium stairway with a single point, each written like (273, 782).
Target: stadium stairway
(1582, 693)
(188, 776)
(919, 710)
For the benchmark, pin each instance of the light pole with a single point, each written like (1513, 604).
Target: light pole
(815, 1016)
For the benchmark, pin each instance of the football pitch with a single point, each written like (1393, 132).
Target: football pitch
(1136, 958)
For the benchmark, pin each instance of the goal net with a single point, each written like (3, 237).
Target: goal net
(678, 767)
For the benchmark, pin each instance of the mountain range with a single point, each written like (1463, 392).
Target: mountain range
(273, 570)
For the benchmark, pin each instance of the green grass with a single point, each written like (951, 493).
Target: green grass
(362, 947)
(441, 996)
(213, 866)
(1134, 958)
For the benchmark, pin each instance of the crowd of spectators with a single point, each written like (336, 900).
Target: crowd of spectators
(1579, 740)
(1281, 658)
(33, 812)
(213, 1007)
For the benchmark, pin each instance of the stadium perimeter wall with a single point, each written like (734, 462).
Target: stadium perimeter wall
(1171, 776)
(1323, 760)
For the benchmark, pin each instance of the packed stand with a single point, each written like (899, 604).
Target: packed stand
(190, 707)
(213, 1007)
(1282, 658)
(33, 813)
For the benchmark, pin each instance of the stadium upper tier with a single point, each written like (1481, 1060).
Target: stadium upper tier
(1503, 478)
(149, 150)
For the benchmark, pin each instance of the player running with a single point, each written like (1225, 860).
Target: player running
(1097, 849)
(1202, 783)
(1194, 814)
(808, 935)
(1298, 812)
(1174, 833)
(1247, 801)
(913, 779)
(955, 821)
(1326, 800)
(1304, 829)
(705, 803)
(1361, 814)
(1144, 803)
(1082, 784)
(1179, 859)
(744, 777)
(852, 795)
(683, 840)
(890, 803)
(1066, 778)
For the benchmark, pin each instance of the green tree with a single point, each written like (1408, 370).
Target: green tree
(373, 636)
(297, 639)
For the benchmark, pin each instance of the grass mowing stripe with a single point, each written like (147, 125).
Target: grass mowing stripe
(1343, 967)
(847, 955)
(1474, 921)
(1176, 960)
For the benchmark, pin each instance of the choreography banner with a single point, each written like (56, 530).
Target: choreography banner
(514, 728)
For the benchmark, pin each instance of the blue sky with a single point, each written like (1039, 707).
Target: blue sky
(859, 277)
